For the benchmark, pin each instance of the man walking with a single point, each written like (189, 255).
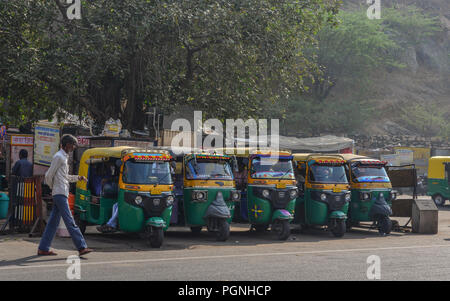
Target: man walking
(58, 179)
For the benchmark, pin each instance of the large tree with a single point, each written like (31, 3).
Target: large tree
(227, 58)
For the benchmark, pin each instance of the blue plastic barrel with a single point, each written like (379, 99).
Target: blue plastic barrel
(4, 202)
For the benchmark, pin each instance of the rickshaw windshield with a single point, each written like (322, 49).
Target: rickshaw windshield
(268, 168)
(207, 169)
(327, 174)
(147, 173)
(368, 174)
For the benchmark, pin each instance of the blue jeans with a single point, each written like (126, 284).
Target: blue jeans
(115, 215)
(61, 209)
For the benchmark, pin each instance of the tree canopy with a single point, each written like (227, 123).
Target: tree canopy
(228, 58)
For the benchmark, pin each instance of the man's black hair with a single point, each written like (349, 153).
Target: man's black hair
(68, 139)
(23, 154)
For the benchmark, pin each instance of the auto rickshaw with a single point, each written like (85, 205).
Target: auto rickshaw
(209, 193)
(271, 191)
(372, 193)
(144, 190)
(324, 192)
(439, 179)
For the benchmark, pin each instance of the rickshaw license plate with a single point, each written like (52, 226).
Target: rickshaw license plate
(156, 191)
(335, 189)
(281, 185)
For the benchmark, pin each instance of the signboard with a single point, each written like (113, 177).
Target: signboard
(100, 143)
(83, 141)
(417, 155)
(140, 144)
(19, 142)
(392, 159)
(46, 143)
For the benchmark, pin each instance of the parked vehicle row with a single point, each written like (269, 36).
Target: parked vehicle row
(147, 191)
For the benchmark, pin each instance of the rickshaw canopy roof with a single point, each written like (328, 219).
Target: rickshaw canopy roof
(436, 167)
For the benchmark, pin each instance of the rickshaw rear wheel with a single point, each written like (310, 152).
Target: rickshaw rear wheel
(223, 230)
(196, 230)
(339, 228)
(282, 228)
(260, 228)
(80, 223)
(384, 225)
(155, 236)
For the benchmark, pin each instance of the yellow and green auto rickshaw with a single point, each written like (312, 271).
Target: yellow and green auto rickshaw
(140, 183)
(271, 191)
(372, 193)
(208, 192)
(439, 179)
(324, 192)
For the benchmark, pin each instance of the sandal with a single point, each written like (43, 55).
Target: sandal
(46, 253)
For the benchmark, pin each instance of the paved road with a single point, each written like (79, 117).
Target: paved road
(314, 255)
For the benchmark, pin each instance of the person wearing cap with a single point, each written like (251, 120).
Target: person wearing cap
(57, 178)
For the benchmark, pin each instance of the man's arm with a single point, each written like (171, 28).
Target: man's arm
(50, 174)
(15, 169)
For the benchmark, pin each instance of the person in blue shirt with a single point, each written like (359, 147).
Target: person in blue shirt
(23, 168)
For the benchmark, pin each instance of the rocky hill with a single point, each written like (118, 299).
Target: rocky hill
(414, 100)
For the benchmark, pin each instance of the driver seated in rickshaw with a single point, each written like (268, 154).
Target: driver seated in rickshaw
(102, 182)
(322, 173)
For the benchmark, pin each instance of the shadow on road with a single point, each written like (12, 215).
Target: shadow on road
(25, 261)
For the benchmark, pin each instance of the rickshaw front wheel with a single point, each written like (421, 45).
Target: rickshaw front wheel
(338, 228)
(439, 200)
(282, 229)
(155, 236)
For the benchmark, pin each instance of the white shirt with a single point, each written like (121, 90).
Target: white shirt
(57, 176)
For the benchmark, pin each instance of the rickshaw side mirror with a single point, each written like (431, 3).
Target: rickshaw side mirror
(118, 163)
(235, 164)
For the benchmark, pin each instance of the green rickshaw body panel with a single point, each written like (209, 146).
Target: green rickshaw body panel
(359, 209)
(97, 214)
(260, 210)
(439, 186)
(282, 214)
(156, 222)
(132, 218)
(194, 211)
(338, 215)
(316, 212)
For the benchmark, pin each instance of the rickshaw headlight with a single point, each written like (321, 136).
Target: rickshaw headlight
(293, 193)
(138, 200)
(199, 196)
(348, 196)
(323, 197)
(169, 201)
(265, 193)
(235, 195)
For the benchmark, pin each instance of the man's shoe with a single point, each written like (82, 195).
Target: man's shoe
(84, 251)
(106, 229)
(46, 253)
